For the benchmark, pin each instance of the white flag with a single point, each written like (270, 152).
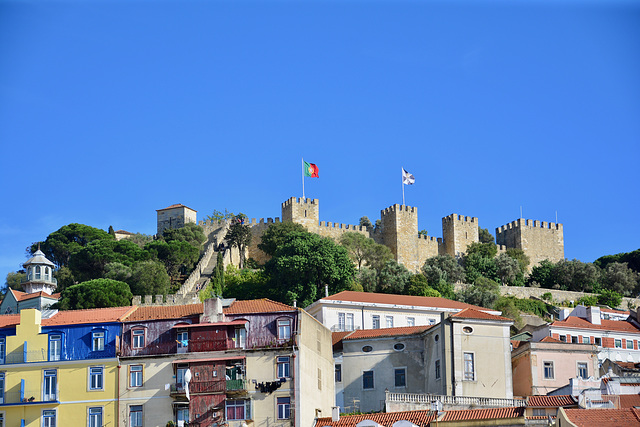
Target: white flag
(407, 178)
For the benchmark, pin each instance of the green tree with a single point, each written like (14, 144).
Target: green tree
(377, 256)
(393, 278)
(65, 278)
(484, 236)
(543, 274)
(68, 240)
(419, 286)
(220, 216)
(97, 293)
(486, 250)
(631, 258)
(149, 278)
(442, 268)
(111, 231)
(577, 276)
(610, 298)
(422, 232)
(14, 281)
(620, 278)
(508, 308)
(239, 235)
(277, 234)
(364, 222)
(521, 258)
(246, 284)
(140, 239)
(484, 293)
(190, 233)
(358, 245)
(117, 271)
(368, 279)
(476, 265)
(304, 264)
(178, 257)
(90, 261)
(507, 269)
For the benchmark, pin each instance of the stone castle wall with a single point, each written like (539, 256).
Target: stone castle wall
(458, 232)
(539, 240)
(174, 218)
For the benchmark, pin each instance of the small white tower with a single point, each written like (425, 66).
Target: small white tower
(39, 274)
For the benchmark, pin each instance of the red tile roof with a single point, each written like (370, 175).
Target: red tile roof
(603, 417)
(263, 305)
(624, 400)
(163, 312)
(515, 344)
(123, 232)
(612, 310)
(551, 339)
(178, 205)
(483, 414)
(376, 298)
(336, 337)
(419, 418)
(94, 315)
(608, 325)
(472, 313)
(26, 296)
(627, 365)
(551, 401)
(386, 332)
(7, 320)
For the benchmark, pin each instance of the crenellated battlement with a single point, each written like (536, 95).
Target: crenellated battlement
(255, 221)
(299, 201)
(340, 226)
(460, 218)
(429, 238)
(398, 208)
(519, 223)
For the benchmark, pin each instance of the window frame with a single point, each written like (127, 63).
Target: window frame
(388, 320)
(342, 321)
(284, 329)
(350, 322)
(49, 414)
(3, 350)
(617, 343)
(91, 412)
(139, 375)
(403, 371)
(97, 373)
(548, 367)
(50, 381)
(466, 372)
(283, 404)
(586, 369)
(55, 337)
(338, 372)
(283, 367)
(366, 375)
(629, 342)
(438, 369)
(375, 321)
(101, 341)
(133, 409)
(246, 411)
(597, 341)
(586, 340)
(411, 321)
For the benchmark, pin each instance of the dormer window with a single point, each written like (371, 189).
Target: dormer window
(55, 347)
(284, 329)
(137, 338)
(97, 341)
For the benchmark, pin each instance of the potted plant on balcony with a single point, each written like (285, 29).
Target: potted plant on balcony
(171, 424)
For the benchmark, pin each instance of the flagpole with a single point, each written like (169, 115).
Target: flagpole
(402, 183)
(303, 198)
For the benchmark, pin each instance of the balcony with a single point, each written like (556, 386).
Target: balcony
(234, 387)
(39, 278)
(28, 397)
(396, 402)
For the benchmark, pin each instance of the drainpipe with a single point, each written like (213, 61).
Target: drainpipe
(118, 396)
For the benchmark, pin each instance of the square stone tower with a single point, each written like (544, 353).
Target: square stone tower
(539, 240)
(175, 216)
(400, 234)
(458, 232)
(302, 211)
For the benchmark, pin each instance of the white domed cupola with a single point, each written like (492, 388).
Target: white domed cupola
(39, 274)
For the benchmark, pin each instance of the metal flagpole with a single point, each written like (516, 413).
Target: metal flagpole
(402, 183)
(303, 198)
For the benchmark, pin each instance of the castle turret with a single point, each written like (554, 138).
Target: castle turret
(400, 234)
(458, 232)
(175, 216)
(302, 211)
(39, 275)
(539, 240)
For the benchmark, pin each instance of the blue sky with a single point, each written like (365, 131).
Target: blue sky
(110, 110)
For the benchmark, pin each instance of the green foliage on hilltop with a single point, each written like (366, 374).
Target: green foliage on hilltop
(239, 235)
(63, 243)
(97, 293)
(632, 259)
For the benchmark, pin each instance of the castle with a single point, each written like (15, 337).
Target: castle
(398, 230)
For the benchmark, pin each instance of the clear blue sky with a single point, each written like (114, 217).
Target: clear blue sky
(110, 110)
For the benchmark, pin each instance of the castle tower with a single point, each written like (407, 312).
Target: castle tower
(175, 216)
(39, 274)
(539, 240)
(400, 234)
(302, 211)
(458, 232)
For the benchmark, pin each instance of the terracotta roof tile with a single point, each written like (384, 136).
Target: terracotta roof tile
(612, 310)
(472, 313)
(94, 315)
(376, 298)
(25, 296)
(483, 414)
(123, 232)
(336, 337)
(623, 400)
(608, 325)
(164, 312)
(263, 305)
(386, 332)
(603, 417)
(551, 339)
(178, 205)
(419, 418)
(515, 344)
(627, 365)
(7, 320)
(551, 401)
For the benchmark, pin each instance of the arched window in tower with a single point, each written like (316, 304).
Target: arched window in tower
(47, 272)
(37, 272)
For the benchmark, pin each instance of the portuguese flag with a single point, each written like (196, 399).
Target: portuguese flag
(311, 170)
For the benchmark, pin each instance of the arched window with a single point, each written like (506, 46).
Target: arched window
(37, 272)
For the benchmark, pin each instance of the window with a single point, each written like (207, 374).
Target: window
(37, 272)
(598, 341)
(55, 347)
(95, 417)
(467, 329)
(137, 338)
(48, 418)
(618, 343)
(563, 338)
(398, 346)
(376, 321)
(135, 376)
(583, 370)
(182, 414)
(350, 324)
(585, 340)
(367, 349)
(238, 410)
(389, 321)
(319, 379)
(1, 389)
(469, 367)
(284, 329)
(339, 373)
(3, 349)
(50, 385)
(437, 369)
(432, 321)
(97, 340)
(284, 408)
(283, 366)
(367, 380)
(241, 337)
(341, 321)
(629, 344)
(135, 416)
(400, 376)
(183, 341)
(548, 371)
(181, 369)
(96, 377)
(574, 340)
(538, 412)
(411, 321)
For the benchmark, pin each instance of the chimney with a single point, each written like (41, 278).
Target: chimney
(212, 311)
(335, 413)
(326, 291)
(295, 303)
(593, 315)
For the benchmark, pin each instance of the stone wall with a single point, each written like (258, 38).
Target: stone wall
(167, 300)
(539, 240)
(458, 232)
(175, 217)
